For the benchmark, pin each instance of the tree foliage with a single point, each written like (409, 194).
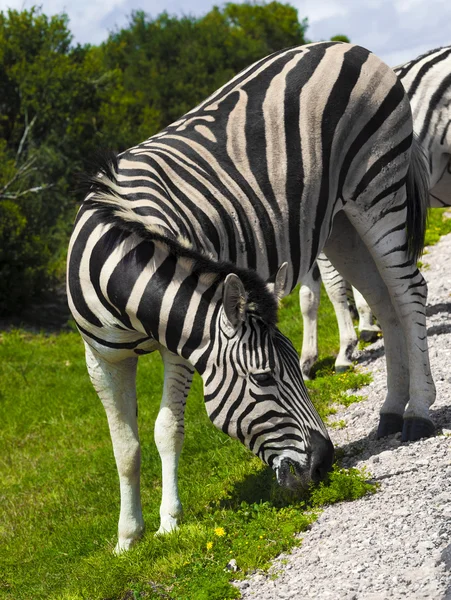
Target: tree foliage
(48, 106)
(165, 66)
(60, 102)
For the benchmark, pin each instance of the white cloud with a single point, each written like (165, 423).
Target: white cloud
(395, 30)
(318, 11)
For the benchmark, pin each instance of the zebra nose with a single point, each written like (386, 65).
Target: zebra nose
(322, 456)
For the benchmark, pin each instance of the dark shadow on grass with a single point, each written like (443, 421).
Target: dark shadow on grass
(262, 487)
(323, 367)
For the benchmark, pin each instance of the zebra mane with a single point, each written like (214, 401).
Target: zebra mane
(430, 52)
(105, 196)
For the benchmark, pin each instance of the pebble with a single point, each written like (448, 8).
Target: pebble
(395, 544)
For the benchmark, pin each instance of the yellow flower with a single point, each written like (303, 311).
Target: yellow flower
(209, 545)
(219, 531)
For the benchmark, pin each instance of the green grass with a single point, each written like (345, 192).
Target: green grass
(438, 225)
(59, 490)
(59, 493)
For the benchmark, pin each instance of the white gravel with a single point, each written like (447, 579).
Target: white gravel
(396, 543)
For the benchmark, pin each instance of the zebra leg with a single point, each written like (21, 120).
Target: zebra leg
(407, 292)
(309, 297)
(368, 331)
(336, 290)
(115, 383)
(169, 434)
(347, 251)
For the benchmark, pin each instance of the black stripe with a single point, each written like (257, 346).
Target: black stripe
(387, 107)
(179, 312)
(150, 305)
(125, 274)
(437, 97)
(116, 346)
(334, 110)
(73, 274)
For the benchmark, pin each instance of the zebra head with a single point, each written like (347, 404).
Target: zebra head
(255, 393)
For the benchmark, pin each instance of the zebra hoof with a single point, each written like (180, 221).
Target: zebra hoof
(369, 335)
(306, 368)
(389, 423)
(416, 428)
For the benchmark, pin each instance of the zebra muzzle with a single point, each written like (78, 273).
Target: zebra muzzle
(296, 476)
(291, 475)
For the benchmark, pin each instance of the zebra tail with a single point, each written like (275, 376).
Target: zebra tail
(417, 185)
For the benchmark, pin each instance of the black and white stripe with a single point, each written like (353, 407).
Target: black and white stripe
(175, 242)
(427, 81)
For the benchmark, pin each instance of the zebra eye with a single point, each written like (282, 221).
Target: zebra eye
(263, 378)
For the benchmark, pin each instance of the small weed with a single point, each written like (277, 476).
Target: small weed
(438, 225)
(348, 399)
(362, 345)
(342, 485)
(423, 266)
(327, 390)
(341, 424)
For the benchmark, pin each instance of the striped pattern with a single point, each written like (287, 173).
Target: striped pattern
(157, 292)
(259, 208)
(427, 81)
(178, 245)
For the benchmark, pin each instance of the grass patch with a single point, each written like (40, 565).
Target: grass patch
(60, 496)
(341, 424)
(437, 225)
(59, 489)
(325, 391)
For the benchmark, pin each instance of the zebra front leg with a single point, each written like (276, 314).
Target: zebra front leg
(336, 290)
(169, 435)
(115, 383)
(309, 297)
(368, 330)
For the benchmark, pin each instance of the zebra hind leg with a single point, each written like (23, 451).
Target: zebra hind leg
(309, 297)
(387, 244)
(348, 252)
(368, 330)
(115, 383)
(336, 290)
(169, 435)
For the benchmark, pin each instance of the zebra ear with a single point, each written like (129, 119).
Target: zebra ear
(280, 282)
(234, 300)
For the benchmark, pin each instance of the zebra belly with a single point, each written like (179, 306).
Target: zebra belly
(114, 348)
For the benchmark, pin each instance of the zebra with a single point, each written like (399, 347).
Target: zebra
(186, 242)
(427, 81)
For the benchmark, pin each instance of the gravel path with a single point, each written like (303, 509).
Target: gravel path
(396, 543)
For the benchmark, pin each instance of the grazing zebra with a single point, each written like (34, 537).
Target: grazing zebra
(427, 81)
(174, 243)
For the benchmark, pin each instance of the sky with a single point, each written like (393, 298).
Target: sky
(395, 30)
